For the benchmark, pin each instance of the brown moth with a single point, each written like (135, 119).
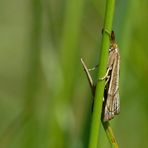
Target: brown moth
(111, 101)
(111, 104)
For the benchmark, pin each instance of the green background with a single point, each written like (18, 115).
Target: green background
(45, 99)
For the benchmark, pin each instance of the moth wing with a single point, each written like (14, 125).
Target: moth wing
(116, 104)
(112, 107)
(112, 102)
(116, 99)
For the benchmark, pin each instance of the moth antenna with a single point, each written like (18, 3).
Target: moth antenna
(113, 36)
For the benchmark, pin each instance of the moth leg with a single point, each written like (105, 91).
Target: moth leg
(90, 80)
(91, 69)
(107, 79)
(106, 75)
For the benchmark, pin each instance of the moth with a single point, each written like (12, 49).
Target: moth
(111, 101)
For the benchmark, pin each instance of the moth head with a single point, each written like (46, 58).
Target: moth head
(113, 44)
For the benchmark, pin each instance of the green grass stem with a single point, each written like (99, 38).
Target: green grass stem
(96, 116)
(110, 135)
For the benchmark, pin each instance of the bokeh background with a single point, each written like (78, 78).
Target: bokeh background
(45, 99)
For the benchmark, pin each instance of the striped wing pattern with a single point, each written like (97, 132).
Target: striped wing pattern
(112, 101)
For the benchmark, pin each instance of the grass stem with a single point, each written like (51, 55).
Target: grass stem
(96, 116)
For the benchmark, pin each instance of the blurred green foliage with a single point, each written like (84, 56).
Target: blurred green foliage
(45, 99)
